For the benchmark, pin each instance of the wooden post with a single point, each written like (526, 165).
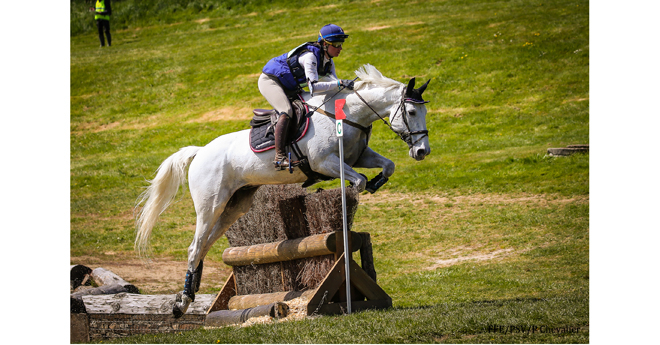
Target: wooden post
(299, 248)
(221, 301)
(231, 317)
(366, 255)
(250, 301)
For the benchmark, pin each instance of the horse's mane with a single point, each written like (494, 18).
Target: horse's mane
(368, 74)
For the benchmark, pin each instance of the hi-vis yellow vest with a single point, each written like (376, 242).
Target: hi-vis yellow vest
(100, 7)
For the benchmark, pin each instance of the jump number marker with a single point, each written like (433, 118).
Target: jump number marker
(339, 116)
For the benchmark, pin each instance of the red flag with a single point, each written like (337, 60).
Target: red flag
(339, 109)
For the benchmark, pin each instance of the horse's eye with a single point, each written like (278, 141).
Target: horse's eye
(412, 112)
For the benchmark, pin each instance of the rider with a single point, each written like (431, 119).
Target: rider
(284, 77)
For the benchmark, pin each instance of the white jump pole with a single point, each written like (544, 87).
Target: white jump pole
(339, 125)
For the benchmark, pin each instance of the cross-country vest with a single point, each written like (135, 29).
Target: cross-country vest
(288, 70)
(100, 7)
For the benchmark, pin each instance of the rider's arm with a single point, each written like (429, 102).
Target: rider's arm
(308, 61)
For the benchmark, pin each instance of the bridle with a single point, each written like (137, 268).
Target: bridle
(406, 136)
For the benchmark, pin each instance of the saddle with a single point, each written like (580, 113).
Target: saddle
(262, 137)
(262, 134)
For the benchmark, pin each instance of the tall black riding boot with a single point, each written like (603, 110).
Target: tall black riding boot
(281, 130)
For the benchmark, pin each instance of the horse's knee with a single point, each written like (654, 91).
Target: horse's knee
(388, 169)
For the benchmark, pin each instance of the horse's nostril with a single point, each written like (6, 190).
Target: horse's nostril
(421, 152)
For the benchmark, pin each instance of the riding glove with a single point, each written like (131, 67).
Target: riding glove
(347, 83)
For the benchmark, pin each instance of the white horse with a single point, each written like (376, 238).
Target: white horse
(226, 173)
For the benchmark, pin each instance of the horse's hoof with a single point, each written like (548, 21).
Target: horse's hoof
(376, 183)
(176, 311)
(182, 301)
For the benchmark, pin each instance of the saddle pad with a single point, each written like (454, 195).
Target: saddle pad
(262, 138)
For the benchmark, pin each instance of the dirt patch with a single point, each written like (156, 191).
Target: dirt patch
(203, 20)
(473, 257)
(223, 114)
(157, 276)
(575, 100)
(374, 28)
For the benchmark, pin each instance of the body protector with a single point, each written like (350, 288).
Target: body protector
(287, 69)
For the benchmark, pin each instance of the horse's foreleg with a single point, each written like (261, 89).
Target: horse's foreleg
(238, 205)
(371, 159)
(330, 167)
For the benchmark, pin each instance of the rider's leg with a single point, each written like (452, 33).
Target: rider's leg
(281, 131)
(272, 90)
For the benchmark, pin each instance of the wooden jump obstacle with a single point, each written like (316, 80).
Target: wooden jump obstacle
(287, 234)
(327, 296)
(568, 150)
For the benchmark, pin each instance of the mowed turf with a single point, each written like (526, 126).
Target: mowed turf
(487, 231)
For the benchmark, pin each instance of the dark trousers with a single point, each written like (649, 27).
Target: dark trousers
(104, 26)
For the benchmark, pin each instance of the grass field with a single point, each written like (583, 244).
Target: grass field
(488, 231)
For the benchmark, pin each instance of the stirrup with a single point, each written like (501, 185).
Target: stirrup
(281, 165)
(281, 162)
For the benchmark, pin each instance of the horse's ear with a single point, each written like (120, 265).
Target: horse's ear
(423, 87)
(411, 86)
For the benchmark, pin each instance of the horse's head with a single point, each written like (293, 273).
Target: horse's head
(409, 120)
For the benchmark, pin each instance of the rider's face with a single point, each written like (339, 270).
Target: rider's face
(333, 52)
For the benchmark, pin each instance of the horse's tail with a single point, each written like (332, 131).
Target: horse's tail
(171, 174)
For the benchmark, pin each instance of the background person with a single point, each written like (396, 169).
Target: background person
(102, 14)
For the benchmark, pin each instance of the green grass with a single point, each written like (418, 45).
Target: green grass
(509, 79)
(467, 322)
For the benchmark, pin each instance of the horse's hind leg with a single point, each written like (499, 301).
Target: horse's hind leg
(237, 206)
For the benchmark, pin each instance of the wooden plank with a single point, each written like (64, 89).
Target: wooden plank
(251, 301)
(361, 281)
(330, 285)
(221, 302)
(127, 303)
(299, 248)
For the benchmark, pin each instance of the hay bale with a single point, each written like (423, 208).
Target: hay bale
(285, 212)
(325, 212)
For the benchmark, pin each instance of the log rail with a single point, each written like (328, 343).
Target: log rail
(299, 248)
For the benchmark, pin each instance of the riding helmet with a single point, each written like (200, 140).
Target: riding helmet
(332, 33)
